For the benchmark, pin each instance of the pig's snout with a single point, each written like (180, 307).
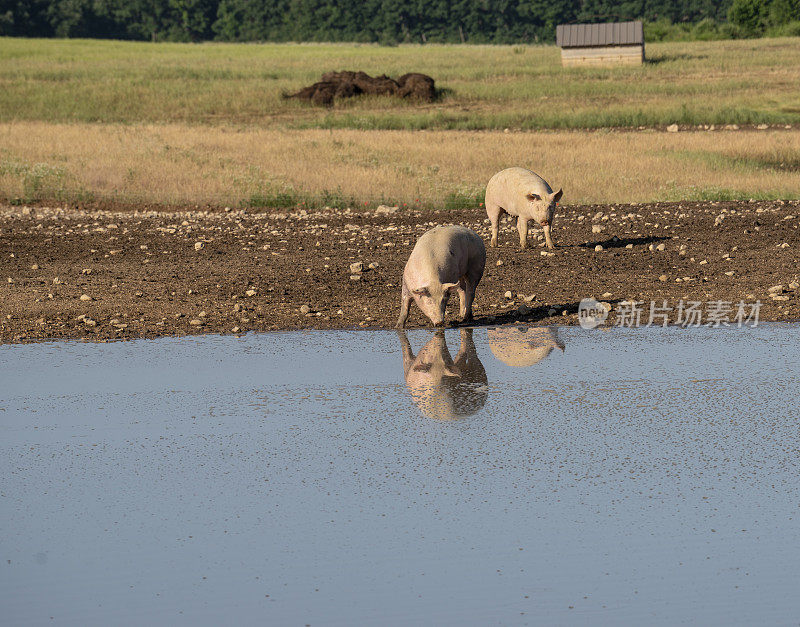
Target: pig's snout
(438, 314)
(438, 318)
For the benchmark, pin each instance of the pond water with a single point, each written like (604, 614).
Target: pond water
(487, 476)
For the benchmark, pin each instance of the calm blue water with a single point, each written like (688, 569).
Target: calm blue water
(332, 478)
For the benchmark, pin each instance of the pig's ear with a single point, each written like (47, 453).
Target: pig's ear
(446, 287)
(557, 195)
(422, 291)
(533, 196)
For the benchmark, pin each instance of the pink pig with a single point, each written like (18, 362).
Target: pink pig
(525, 194)
(445, 259)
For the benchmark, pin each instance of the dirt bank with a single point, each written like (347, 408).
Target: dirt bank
(125, 273)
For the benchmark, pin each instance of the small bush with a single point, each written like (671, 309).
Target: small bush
(40, 181)
(459, 200)
(271, 199)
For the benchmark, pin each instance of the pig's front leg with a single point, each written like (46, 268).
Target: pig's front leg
(522, 227)
(405, 303)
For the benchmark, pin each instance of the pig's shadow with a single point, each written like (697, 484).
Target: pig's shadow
(536, 314)
(622, 242)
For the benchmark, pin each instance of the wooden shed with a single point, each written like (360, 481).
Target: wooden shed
(601, 44)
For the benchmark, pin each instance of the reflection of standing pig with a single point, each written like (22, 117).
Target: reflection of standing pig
(442, 387)
(446, 258)
(525, 194)
(522, 346)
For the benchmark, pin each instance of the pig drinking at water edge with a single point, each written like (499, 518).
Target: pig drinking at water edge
(525, 194)
(445, 259)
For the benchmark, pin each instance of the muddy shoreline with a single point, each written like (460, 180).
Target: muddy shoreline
(120, 272)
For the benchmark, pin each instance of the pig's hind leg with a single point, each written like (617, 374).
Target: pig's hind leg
(466, 292)
(470, 283)
(405, 304)
(494, 212)
(462, 297)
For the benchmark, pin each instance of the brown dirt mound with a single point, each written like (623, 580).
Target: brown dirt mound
(347, 84)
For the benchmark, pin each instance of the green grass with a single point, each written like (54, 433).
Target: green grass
(771, 161)
(42, 181)
(483, 87)
(719, 194)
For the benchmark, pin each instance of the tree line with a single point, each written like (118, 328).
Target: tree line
(387, 21)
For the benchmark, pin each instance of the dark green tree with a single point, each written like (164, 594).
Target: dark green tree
(784, 11)
(750, 16)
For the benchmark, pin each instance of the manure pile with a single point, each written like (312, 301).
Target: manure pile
(347, 84)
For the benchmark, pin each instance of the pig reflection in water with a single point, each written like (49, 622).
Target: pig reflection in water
(444, 388)
(521, 346)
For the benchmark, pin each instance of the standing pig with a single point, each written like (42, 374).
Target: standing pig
(446, 258)
(525, 194)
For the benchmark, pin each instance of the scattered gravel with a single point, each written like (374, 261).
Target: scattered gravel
(261, 268)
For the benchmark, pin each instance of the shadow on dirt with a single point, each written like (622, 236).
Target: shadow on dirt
(527, 315)
(622, 242)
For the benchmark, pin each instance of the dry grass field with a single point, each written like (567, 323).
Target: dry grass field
(483, 87)
(247, 167)
(181, 124)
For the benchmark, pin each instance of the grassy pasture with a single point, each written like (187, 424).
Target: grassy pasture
(483, 87)
(257, 167)
(206, 124)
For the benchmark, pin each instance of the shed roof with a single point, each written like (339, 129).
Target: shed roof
(612, 34)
